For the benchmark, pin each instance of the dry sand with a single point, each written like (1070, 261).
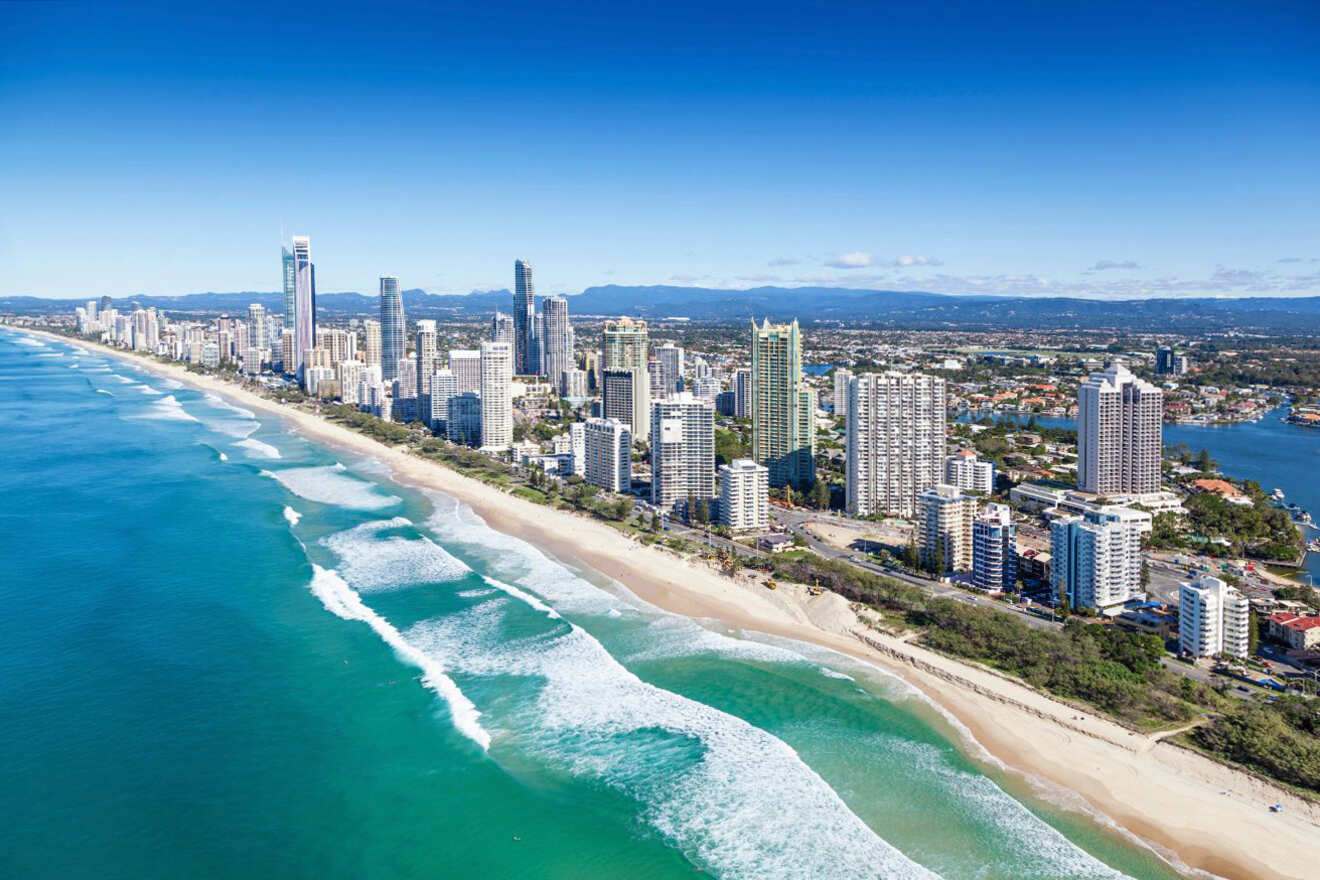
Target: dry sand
(1197, 812)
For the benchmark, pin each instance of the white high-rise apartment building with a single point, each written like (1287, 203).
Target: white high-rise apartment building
(841, 379)
(607, 454)
(994, 550)
(443, 387)
(577, 444)
(556, 340)
(969, 473)
(427, 362)
(1213, 619)
(742, 393)
(1097, 557)
(896, 442)
(944, 533)
(371, 340)
(682, 450)
(496, 395)
(501, 328)
(573, 383)
(466, 366)
(304, 301)
(1120, 421)
(744, 496)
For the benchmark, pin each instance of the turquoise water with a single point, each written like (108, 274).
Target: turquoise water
(230, 652)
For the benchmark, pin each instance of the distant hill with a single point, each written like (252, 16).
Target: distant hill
(880, 307)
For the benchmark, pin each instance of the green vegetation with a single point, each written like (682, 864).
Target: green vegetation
(365, 423)
(1117, 672)
(1256, 530)
(730, 445)
(1281, 740)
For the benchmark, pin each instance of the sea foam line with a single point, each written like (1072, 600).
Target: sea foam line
(340, 599)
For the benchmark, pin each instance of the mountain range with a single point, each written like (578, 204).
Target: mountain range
(885, 308)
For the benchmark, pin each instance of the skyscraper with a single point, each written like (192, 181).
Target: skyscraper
(624, 347)
(290, 288)
(524, 318)
(304, 301)
(896, 444)
(496, 395)
(783, 432)
(1119, 433)
(393, 342)
(556, 340)
(682, 450)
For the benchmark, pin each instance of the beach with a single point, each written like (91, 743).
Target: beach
(1202, 814)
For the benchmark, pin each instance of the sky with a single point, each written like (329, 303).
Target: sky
(1040, 148)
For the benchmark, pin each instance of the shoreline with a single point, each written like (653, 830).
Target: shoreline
(1193, 811)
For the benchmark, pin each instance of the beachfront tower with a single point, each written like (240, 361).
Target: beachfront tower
(524, 318)
(393, 342)
(783, 430)
(624, 347)
(304, 301)
(896, 442)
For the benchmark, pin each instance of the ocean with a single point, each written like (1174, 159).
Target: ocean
(228, 651)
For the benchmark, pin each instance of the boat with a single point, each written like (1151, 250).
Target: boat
(1313, 545)
(1277, 494)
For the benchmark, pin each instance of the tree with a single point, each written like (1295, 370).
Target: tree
(622, 508)
(1145, 574)
(911, 558)
(1204, 462)
(820, 495)
(703, 511)
(1253, 633)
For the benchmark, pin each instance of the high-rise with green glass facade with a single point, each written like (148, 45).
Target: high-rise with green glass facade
(782, 431)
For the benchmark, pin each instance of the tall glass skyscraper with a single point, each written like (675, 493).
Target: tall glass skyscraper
(524, 318)
(782, 431)
(304, 302)
(625, 347)
(290, 288)
(393, 342)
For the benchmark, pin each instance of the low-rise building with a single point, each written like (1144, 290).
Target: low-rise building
(1299, 632)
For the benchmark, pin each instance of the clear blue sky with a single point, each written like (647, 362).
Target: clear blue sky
(1099, 149)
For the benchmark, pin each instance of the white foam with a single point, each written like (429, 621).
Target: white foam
(124, 379)
(233, 428)
(148, 390)
(370, 560)
(257, 449)
(73, 366)
(329, 485)
(291, 516)
(103, 391)
(730, 795)
(340, 599)
(219, 401)
(834, 673)
(673, 636)
(166, 409)
(1039, 849)
(523, 596)
(224, 457)
(28, 340)
(171, 383)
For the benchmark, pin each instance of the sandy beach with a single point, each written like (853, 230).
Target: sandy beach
(1200, 814)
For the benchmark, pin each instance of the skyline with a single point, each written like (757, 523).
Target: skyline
(1114, 152)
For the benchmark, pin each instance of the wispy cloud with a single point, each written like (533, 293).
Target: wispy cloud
(905, 262)
(851, 260)
(783, 261)
(763, 279)
(1105, 265)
